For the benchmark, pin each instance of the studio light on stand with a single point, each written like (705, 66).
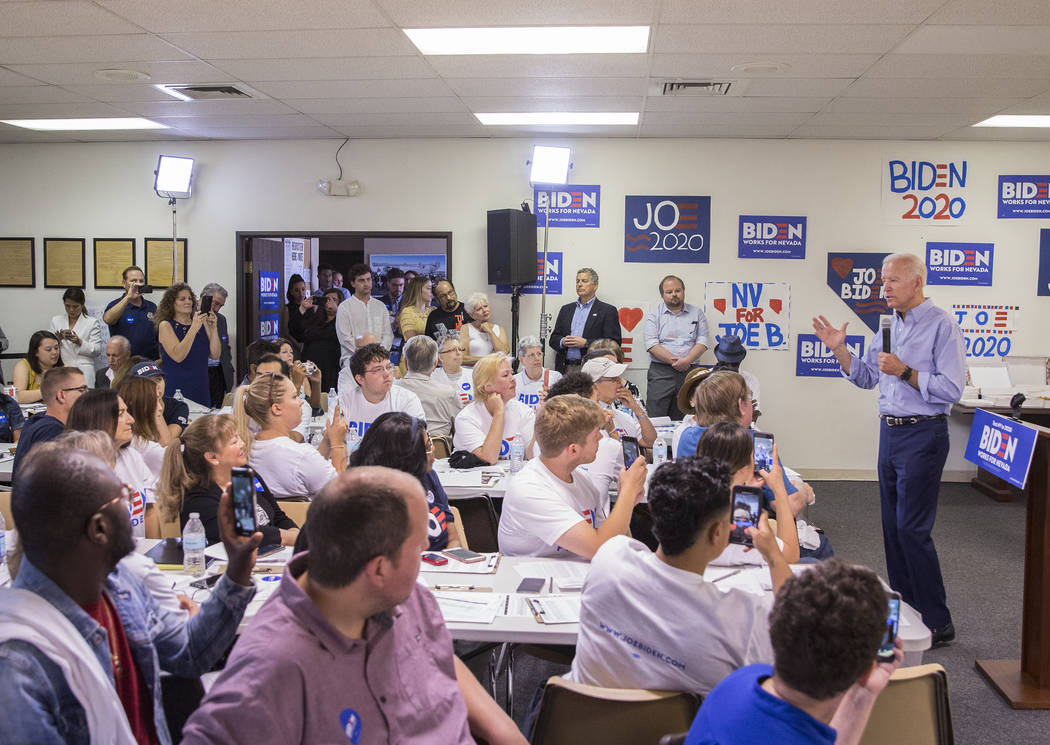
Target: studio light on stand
(549, 167)
(173, 180)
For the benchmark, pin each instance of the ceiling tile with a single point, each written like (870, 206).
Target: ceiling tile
(538, 66)
(242, 120)
(783, 39)
(923, 105)
(169, 107)
(91, 109)
(738, 129)
(742, 104)
(9, 134)
(286, 90)
(726, 119)
(977, 40)
(346, 68)
(960, 66)
(893, 119)
(51, 18)
(576, 103)
(121, 92)
(1009, 134)
(799, 65)
(446, 121)
(801, 87)
(798, 11)
(1037, 105)
(259, 133)
(563, 131)
(379, 42)
(7, 77)
(125, 48)
(83, 73)
(549, 87)
(872, 132)
(38, 94)
(145, 135)
(377, 105)
(247, 15)
(474, 13)
(1016, 12)
(946, 88)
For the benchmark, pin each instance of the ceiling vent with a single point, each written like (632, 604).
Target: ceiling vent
(210, 92)
(696, 88)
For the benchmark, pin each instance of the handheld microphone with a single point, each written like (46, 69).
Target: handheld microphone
(885, 322)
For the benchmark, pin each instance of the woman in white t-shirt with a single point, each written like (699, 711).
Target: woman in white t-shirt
(533, 379)
(291, 469)
(452, 372)
(481, 336)
(102, 409)
(487, 427)
(150, 433)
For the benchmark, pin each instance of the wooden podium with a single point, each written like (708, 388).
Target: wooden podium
(1025, 683)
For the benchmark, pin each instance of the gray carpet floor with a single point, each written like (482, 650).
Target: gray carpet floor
(981, 545)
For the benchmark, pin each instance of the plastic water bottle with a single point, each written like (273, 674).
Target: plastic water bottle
(353, 440)
(193, 543)
(333, 399)
(178, 395)
(3, 540)
(659, 451)
(517, 453)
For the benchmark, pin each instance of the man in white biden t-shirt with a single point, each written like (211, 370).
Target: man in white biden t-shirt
(374, 393)
(635, 602)
(553, 509)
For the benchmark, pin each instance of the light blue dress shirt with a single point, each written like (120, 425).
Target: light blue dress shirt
(929, 341)
(675, 333)
(579, 320)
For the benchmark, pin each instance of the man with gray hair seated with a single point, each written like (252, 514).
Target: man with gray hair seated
(118, 352)
(440, 402)
(220, 371)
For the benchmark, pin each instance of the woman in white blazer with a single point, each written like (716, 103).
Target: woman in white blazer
(79, 335)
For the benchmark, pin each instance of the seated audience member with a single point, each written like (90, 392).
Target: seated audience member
(60, 388)
(730, 352)
(256, 351)
(611, 348)
(687, 403)
(636, 592)
(320, 341)
(440, 401)
(197, 470)
(400, 441)
(309, 383)
(187, 339)
(488, 425)
(271, 364)
(82, 640)
(44, 354)
(149, 433)
(452, 372)
(825, 627)
(118, 352)
(12, 420)
(604, 470)
(609, 387)
(103, 409)
(291, 469)
(176, 413)
(450, 315)
(79, 335)
(349, 626)
(374, 393)
(412, 319)
(481, 336)
(551, 507)
(533, 379)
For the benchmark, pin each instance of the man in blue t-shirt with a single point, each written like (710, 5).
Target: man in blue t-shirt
(59, 389)
(826, 627)
(131, 316)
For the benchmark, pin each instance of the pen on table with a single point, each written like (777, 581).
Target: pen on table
(463, 588)
(730, 574)
(552, 585)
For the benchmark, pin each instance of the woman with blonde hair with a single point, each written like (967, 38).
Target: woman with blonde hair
(294, 470)
(415, 308)
(198, 468)
(481, 336)
(487, 426)
(150, 433)
(188, 339)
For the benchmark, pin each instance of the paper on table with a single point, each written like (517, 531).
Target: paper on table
(559, 569)
(474, 607)
(556, 608)
(458, 567)
(472, 477)
(748, 580)
(218, 551)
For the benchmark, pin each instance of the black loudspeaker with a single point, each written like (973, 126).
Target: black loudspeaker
(512, 247)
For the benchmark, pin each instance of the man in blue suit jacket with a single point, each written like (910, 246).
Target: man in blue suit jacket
(582, 322)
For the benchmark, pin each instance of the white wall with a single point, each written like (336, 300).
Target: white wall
(824, 426)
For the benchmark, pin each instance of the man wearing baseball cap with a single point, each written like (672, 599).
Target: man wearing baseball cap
(176, 413)
(730, 352)
(609, 386)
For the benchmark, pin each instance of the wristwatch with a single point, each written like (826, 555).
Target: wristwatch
(906, 375)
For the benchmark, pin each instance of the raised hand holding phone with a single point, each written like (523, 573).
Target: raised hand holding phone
(240, 550)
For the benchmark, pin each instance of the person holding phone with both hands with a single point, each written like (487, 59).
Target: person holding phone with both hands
(188, 340)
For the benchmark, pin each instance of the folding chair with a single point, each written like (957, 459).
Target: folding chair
(913, 708)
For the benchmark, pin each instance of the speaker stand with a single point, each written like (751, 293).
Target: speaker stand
(515, 313)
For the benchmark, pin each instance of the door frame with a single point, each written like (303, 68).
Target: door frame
(243, 285)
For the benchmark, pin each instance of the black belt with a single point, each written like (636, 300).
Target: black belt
(900, 421)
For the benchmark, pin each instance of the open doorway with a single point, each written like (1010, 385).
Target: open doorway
(267, 260)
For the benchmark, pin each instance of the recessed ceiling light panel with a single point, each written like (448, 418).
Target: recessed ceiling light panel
(83, 125)
(1015, 120)
(560, 118)
(532, 40)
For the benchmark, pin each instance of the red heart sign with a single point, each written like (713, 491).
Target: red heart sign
(842, 266)
(629, 317)
(776, 304)
(720, 304)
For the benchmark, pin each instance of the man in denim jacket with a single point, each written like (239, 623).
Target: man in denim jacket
(76, 619)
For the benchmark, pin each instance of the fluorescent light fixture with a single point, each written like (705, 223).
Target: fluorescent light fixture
(174, 177)
(550, 164)
(561, 118)
(1015, 120)
(170, 90)
(532, 40)
(62, 125)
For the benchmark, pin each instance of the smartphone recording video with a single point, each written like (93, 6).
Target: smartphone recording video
(244, 501)
(763, 452)
(630, 450)
(885, 653)
(744, 513)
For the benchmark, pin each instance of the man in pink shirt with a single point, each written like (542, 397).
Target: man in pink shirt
(350, 648)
